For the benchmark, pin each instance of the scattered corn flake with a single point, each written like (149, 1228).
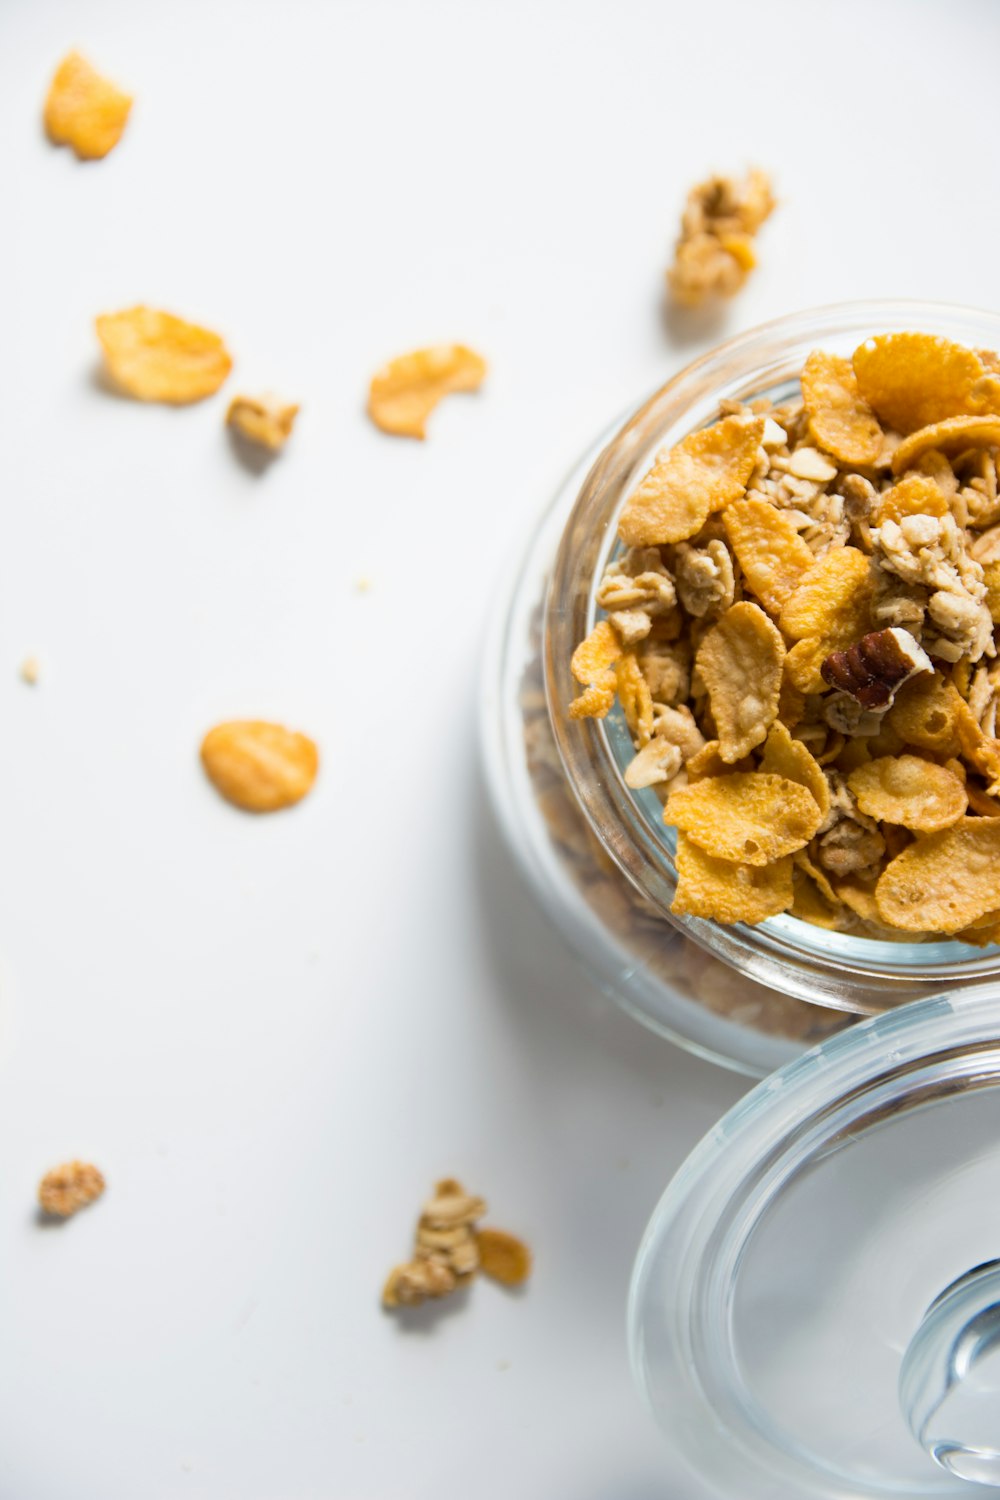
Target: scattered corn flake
(911, 380)
(84, 110)
(705, 472)
(772, 554)
(635, 698)
(788, 757)
(503, 1256)
(154, 356)
(263, 420)
(404, 392)
(914, 495)
(257, 766)
(840, 418)
(69, 1187)
(725, 892)
(944, 881)
(592, 658)
(910, 791)
(952, 435)
(740, 662)
(749, 817)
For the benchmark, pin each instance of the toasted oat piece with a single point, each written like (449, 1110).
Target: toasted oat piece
(84, 110)
(65, 1189)
(714, 254)
(263, 420)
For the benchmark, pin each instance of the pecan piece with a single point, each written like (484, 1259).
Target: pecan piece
(875, 668)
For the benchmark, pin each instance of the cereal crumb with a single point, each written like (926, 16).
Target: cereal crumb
(714, 253)
(257, 766)
(263, 420)
(363, 584)
(72, 1186)
(30, 670)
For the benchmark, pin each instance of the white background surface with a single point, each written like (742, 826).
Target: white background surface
(272, 1035)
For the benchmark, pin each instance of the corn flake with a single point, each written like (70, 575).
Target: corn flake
(705, 472)
(911, 380)
(727, 892)
(154, 356)
(829, 611)
(785, 756)
(907, 790)
(84, 110)
(740, 662)
(770, 551)
(597, 700)
(952, 435)
(404, 392)
(635, 698)
(840, 418)
(749, 817)
(916, 495)
(596, 654)
(944, 881)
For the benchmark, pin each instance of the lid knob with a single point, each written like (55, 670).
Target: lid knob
(949, 1380)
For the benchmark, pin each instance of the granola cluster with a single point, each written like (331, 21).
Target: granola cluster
(801, 632)
(715, 254)
(449, 1248)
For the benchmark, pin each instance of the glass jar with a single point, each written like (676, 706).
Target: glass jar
(597, 853)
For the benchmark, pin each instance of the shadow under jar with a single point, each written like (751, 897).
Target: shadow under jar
(596, 852)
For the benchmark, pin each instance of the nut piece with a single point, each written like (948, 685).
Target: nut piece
(503, 1256)
(873, 670)
(263, 420)
(84, 110)
(406, 390)
(257, 766)
(154, 356)
(69, 1187)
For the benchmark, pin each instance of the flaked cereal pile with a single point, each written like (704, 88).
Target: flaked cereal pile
(801, 631)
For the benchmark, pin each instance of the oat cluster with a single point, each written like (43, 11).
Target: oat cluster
(800, 627)
(449, 1249)
(67, 1188)
(715, 253)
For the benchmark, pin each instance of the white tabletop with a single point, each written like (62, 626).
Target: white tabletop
(273, 1034)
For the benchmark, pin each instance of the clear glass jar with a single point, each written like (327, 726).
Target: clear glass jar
(596, 853)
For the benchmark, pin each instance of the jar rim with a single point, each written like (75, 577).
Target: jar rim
(785, 953)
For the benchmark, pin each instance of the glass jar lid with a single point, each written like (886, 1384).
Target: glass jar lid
(815, 1309)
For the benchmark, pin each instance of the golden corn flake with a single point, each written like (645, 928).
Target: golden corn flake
(840, 418)
(257, 766)
(262, 420)
(596, 701)
(907, 790)
(84, 110)
(503, 1256)
(944, 881)
(916, 495)
(785, 756)
(705, 472)
(979, 749)
(635, 698)
(829, 611)
(913, 379)
(925, 714)
(749, 817)
(809, 906)
(726, 892)
(991, 577)
(406, 390)
(740, 662)
(154, 356)
(953, 435)
(772, 554)
(596, 654)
